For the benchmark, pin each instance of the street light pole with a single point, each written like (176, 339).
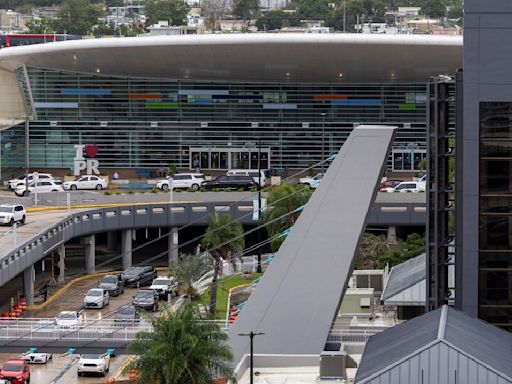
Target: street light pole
(323, 141)
(251, 336)
(258, 269)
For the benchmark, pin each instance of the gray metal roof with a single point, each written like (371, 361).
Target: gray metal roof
(267, 57)
(298, 297)
(405, 275)
(480, 341)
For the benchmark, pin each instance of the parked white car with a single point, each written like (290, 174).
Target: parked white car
(9, 214)
(261, 180)
(69, 320)
(86, 182)
(182, 181)
(93, 364)
(21, 180)
(34, 357)
(165, 285)
(407, 186)
(96, 298)
(311, 181)
(39, 187)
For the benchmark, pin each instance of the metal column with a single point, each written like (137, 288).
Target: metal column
(112, 239)
(62, 263)
(126, 248)
(90, 254)
(29, 276)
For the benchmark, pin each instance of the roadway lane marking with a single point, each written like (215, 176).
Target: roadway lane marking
(64, 371)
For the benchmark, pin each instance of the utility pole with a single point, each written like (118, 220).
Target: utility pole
(344, 16)
(258, 269)
(323, 141)
(251, 336)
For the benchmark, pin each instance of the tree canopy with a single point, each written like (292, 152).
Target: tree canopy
(77, 17)
(245, 9)
(175, 11)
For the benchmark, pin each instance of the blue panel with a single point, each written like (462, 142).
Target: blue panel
(357, 102)
(203, 92)
(85, 91)
(204, 101)
(56, 105)
(279, 106)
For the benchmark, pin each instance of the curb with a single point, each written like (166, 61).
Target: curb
(103, 205)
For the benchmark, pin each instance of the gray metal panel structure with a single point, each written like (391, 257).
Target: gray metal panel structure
(443, 346)
(298, 298)
(405, 275)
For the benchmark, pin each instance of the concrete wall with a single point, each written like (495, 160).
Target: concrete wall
(11, 102)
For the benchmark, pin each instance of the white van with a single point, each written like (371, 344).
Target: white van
(249, 172)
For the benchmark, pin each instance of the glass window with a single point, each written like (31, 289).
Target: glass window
(205, 160)
(398, 161)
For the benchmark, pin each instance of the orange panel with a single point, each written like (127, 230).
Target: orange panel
(144, 96)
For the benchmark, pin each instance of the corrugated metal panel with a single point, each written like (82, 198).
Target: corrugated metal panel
(415, 295)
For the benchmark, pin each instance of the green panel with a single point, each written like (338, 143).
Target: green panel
(161, 105)
(407, 107)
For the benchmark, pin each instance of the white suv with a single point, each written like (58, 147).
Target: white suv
(86, 182)
(96, 298)
(21, 180)
(165, 285)
(407, 186)
(39, 187)
(93, 364)
(182, 181)
(12, 213)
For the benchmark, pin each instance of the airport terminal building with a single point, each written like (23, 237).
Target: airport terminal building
(212, 100)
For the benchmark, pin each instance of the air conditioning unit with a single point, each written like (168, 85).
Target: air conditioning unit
(333, 364)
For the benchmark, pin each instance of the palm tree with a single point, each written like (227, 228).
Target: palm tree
(223, 239)
(189, 269)
(281, 201)
(181, 349)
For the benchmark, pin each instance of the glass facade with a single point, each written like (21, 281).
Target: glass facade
(142, 122)
(495, 253)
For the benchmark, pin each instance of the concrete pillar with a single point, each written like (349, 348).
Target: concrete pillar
(173, 245)
(126, 247)
(391, 235)
(90, 254)
(29, 276)
(112, 239)
(62, 263)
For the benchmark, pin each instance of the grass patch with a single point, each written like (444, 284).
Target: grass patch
(223, 287)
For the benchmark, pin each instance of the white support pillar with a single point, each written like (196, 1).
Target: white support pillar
(62, 263)
(90, 254)
(112, 239)
(29, 277)
(173, 245)
(126, 248)
(391, 235)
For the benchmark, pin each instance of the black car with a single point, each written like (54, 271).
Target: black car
(138, 276)
(146, 299)
(230, 181)
(127, 315)
(113, 284)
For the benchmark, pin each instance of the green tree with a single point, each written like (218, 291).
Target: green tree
(175, 11)
(435, 9)
(370, 251)
(41, 25)
(224, 238)
(272, 20)
(245, 9)
(413, 246)
(368, 11)
(312, 9)
(181, 349)
(188, 269)
(278, 217)
(456, 12)
(78, 17)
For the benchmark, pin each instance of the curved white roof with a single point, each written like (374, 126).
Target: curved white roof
(251, 57)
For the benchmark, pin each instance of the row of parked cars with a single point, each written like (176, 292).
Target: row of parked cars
(45, 182)
(245, 179)
(393, 185)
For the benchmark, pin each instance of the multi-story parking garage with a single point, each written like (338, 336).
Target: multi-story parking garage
(211, 101)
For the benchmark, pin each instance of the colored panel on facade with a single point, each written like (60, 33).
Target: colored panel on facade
(357, 102)
(85, 91)
(330, 97)
(279, 106)
(204, 92)
(237, 97)
(407, 107)
(203, 101)
(161, 105)
(56, 105)
(144, 96)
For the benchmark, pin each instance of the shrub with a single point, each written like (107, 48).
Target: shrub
(190, 190)
(240, 189)
(108, 193)
(216, 190)
(154, 190)
(117, 192)
(202, 189)
(228, 190)
(131, 192)
(254, 189)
